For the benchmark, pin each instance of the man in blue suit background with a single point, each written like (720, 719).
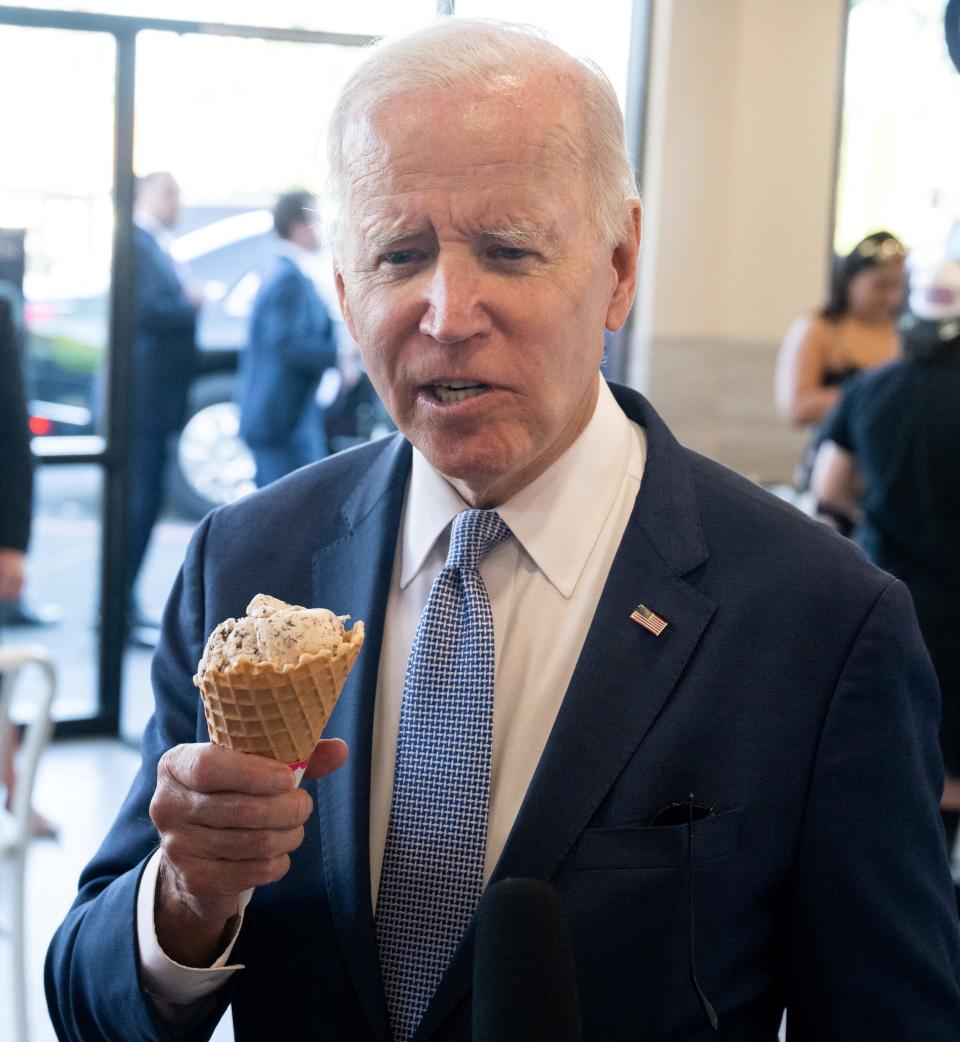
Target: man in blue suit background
(164, 361)
(291, 343)
(704, 703)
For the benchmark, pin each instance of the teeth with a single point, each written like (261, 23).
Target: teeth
(456, 392)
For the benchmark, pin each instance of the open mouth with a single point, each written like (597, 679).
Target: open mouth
(457, 391)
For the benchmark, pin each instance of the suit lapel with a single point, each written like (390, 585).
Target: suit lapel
(622, 680)
(352, 574)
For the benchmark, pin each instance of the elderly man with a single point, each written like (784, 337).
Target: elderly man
(593, 657)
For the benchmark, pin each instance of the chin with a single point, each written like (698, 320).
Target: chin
(472, 471)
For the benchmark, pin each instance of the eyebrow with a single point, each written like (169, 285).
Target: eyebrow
(519, 234)
(387, 241)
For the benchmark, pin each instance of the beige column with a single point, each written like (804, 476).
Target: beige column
(738, 194)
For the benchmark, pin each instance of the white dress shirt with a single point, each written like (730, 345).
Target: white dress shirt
(544, 584)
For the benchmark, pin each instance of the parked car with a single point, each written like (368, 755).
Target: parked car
(212, 465)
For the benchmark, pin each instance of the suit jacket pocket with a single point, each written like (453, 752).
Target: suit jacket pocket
(658, 846)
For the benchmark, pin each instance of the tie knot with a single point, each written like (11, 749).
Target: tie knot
(474, 533)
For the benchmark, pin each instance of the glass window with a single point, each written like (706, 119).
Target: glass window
(900, 153)
(56, 213)
(360, 16)
(56, 186)
(243, 121)
(599, 33)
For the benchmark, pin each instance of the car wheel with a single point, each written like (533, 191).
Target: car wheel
(212, 464)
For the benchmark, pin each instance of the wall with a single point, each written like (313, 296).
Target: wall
(738, 196)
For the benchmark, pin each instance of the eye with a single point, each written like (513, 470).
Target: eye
(397, 258)
(509, 253)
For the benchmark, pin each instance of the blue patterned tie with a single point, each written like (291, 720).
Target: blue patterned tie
(432, 874)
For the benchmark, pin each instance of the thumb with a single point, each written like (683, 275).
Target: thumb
(329, 754)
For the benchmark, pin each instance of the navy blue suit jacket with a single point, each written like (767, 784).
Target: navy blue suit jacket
(291, 343)
(790, 690)
(164, 350)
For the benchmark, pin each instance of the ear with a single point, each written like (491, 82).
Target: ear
(624, 264)
(342, 297)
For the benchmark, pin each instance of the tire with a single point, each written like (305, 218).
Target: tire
(211, 465)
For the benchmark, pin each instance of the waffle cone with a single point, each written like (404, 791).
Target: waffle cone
(277, 711)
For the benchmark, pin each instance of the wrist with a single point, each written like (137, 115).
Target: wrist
(186, 934)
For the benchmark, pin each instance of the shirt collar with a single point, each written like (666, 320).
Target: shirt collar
(307, 262)
(583, 483)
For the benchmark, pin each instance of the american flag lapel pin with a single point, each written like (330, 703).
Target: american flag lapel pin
(648, 619)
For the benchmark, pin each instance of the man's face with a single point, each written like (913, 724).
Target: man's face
(475, 282)
(160, 198)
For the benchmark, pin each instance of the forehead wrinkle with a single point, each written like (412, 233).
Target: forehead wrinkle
(558, 147)
(401, 160)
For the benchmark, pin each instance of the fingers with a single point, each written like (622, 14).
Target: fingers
(211, 844)
(205, 767)
(231, 810)
(193, 792)
(208, 869)
(329, 754)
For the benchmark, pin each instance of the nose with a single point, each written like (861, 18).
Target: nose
(454, 310)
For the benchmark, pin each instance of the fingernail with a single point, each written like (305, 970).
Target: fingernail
(283, 780)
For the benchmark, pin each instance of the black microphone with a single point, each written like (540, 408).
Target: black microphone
(524, 985)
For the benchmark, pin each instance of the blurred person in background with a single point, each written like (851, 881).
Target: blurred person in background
(889, 463)
(16, 482)
(164, 361)
(15, 467)
(856, 329)
(291, 344)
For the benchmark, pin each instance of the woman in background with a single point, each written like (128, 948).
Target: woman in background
(855, 330)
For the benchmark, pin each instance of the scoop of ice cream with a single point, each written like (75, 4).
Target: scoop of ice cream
(272, 631)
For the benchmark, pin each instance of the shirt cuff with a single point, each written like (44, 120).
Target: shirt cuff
(166, 980)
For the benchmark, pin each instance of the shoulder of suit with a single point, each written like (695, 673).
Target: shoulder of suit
(144, 237)
(283, 274)
(329, 483)
(747, 520)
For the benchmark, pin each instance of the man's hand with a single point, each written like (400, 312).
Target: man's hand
(228, 821)
(11, 572)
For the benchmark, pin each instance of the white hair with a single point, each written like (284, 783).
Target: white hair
(458, 52)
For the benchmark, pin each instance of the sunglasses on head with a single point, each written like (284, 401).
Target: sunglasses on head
(880, 250)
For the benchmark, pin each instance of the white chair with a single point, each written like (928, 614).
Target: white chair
(15, 824)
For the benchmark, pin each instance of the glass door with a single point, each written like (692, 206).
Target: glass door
(56, 224)
(243, 121)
